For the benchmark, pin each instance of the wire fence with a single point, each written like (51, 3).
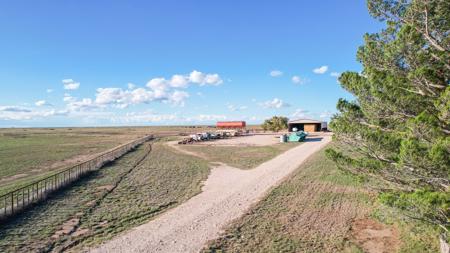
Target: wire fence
(15, 201)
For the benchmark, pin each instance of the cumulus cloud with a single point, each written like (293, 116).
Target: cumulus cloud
(42, 103)
(179, 81)
(275, 103)
(131, 86)
(85, 104)
(70, 84)
(157, 89)
(49, 90)
(178, 97)
(275, 73)
(111, 96)
(160, 89)
(202, 79)
(321, 70)
(299, 80)
(120, 98)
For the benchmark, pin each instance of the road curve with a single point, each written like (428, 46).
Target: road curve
(226, 195)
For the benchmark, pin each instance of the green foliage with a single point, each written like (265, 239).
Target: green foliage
(431, 206)
(276, 123)
(398, 128)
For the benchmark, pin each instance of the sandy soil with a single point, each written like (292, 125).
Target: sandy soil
(226, 195)
(374, 237)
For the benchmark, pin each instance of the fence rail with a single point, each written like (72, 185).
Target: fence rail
(18, 199)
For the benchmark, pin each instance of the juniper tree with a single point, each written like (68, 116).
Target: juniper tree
(276, 123)
(398, 127)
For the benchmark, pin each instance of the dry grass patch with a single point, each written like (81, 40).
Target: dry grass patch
(243, 157)
(111, 200)
(317, 210)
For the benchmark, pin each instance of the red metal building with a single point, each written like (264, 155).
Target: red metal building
(230, 124)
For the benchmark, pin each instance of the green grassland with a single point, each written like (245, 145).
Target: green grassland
(108, 201)
(243, 157)
(29, 154)
(313, 212)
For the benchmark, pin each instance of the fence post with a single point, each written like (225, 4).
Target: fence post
(12, 203)
(38, 190)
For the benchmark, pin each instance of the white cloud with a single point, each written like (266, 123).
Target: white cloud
(209, 117)
(49, 90)
(42, 103)
(299, 80)
(179, 81)
(156, 90)
(178, 97)
(143, 117)
(22, 113)
(158, 83)
(141, 95)
(111, 96)
(335, 74)
(68, 98)
(14, 109)
(321, 70)
(152, 117)
(202, 79)
(275, 73)
(131, 86)
(235, 108)
(70, 84)
(85, 104)
(196, 77)
(275, 103)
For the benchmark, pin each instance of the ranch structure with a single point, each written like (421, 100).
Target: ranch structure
(307, 125)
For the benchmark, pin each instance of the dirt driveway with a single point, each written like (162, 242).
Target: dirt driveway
(227, 194)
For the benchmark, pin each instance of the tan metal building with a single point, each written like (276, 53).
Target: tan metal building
(307, 125)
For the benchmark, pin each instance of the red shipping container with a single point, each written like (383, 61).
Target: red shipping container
(231, 124)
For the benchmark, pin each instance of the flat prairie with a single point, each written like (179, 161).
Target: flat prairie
(27, 154)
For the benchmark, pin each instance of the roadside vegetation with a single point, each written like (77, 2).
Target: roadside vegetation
(106, 202)
(242, 157)
(399, 124)
(322, 209)
(276, 124)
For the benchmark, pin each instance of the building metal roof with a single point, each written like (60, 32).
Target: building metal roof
(304, 121)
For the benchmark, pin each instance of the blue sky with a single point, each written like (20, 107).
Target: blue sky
(99, 63)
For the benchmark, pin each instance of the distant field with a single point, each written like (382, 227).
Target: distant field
(107, 202)
(28, 154)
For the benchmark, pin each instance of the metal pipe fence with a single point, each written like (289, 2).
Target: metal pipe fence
(18, 199)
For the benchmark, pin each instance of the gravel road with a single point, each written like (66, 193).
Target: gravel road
(226, 195)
